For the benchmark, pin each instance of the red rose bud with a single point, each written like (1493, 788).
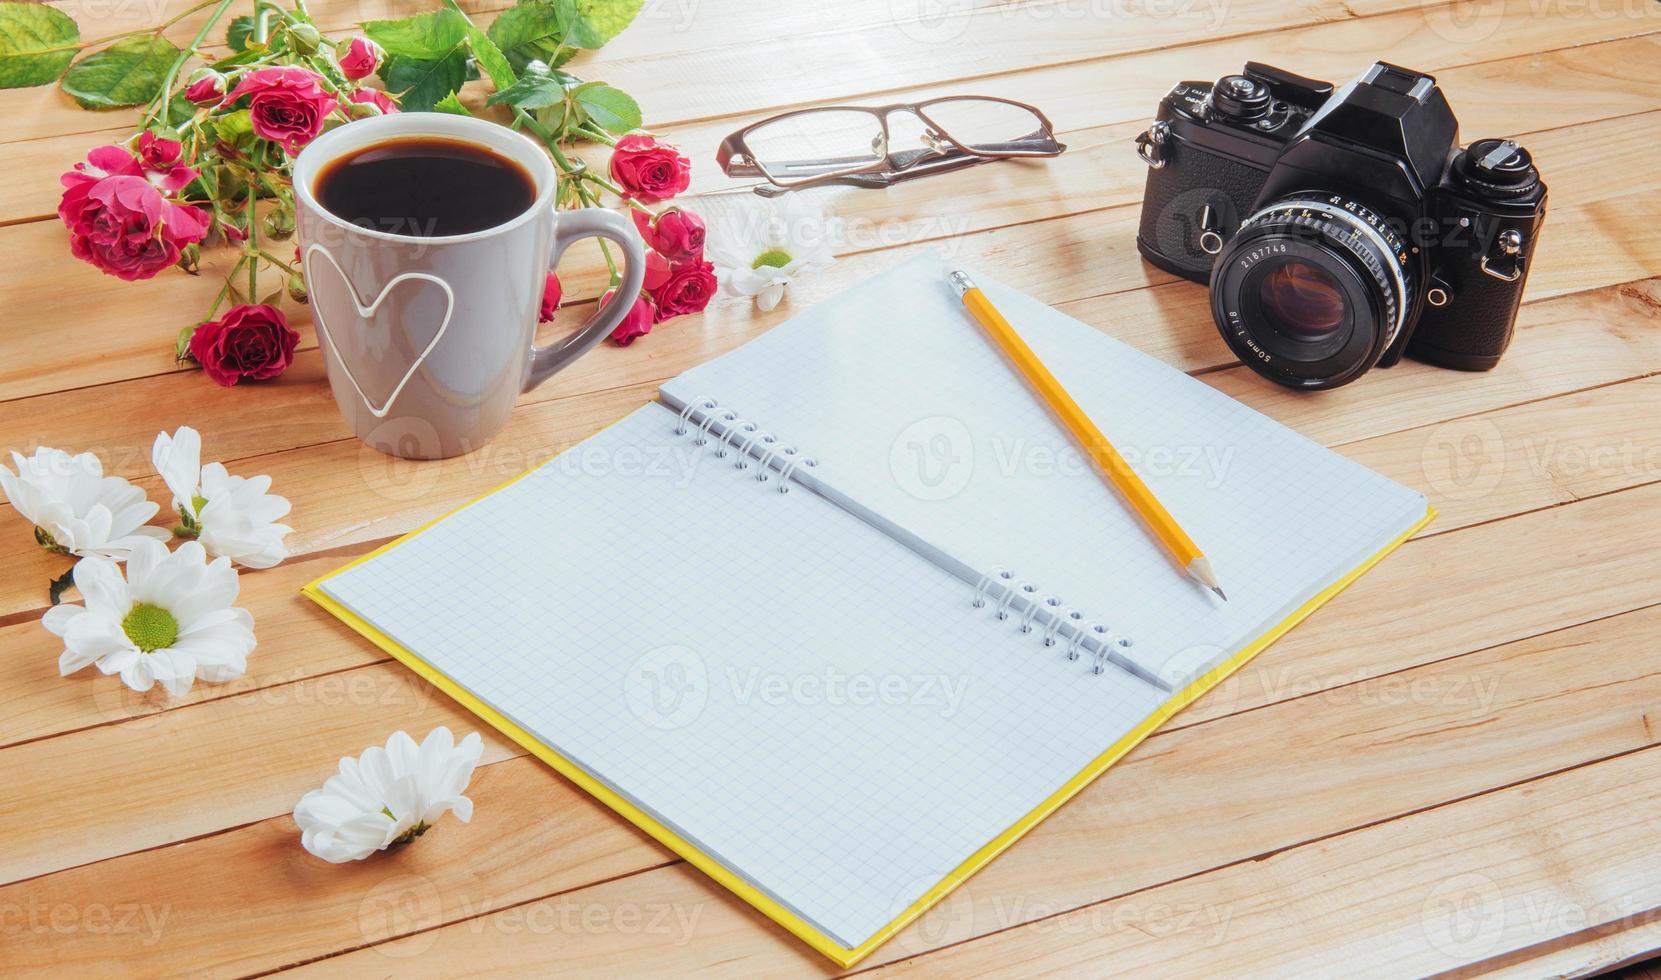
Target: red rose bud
(358, 57)
(689, 288)
(636, 323)
(677, 234)
(287, 104)
(249, 342)
(158, 152)
(206, 87)
(649, 171)
(368, 101)
(550, 298)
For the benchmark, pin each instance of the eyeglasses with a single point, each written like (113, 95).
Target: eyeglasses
(877, 146)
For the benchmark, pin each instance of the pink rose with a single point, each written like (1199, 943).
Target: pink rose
(287, 103)
(157, 152)
(207, 87)
(689, 288)
(636, 323)
(657, 271)
(252, 342)
(375, 97)
(649, 171)
(358, 57)
(120, 221)
(550, 298)
(677, 234)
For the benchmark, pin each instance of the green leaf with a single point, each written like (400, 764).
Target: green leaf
(128, 72)
(490, 58)
(37, 43)
(611, 109)
(234, 127)
(180, 110)
(602, 20)
(452, 105)
(237, 34)
(424, 37)
(421, 83)
(533, 90)
(533, 31)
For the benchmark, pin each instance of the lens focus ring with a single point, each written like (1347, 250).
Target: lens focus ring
(1361, 232)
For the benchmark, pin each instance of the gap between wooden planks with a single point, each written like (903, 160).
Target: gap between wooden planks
(1228, 791)
(1548, 449)
(948, 207)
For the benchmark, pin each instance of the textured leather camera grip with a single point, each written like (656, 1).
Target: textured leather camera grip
(1176, 195)
(1475, 328)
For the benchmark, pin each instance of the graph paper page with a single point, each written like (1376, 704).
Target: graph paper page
(788, 688)
(916, 417)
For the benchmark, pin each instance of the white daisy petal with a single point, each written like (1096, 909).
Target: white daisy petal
(347, 818)
(760, 248)
(178, 459)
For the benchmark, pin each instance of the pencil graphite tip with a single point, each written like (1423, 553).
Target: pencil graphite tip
(1219, 590)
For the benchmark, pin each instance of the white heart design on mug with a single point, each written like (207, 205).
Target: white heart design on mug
(368, 311)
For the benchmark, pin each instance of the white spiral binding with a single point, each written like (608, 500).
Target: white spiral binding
(1056, 623)
(729, 431)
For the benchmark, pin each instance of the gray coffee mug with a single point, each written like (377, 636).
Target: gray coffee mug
(428, 341)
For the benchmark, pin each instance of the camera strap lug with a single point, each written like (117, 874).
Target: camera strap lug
(1150, 144)
(1511, 247)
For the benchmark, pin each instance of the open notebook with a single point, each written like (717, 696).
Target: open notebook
(842, 700)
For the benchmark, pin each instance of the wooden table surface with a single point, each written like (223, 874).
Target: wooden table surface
(1450, 767)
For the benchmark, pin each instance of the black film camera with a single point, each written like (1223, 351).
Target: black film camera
(1339, 229)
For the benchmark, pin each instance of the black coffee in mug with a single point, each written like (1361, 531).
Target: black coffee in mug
(427, 187)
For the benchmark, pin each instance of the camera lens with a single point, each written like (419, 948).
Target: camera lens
(1312, 290)
(1302, 302)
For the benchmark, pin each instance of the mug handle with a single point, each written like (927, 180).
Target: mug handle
(570, 226)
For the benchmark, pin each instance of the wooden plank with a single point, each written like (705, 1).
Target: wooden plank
(1080, 96)
(1565, 697)
(1243, 790)
(154, 311)
(348, 494)
(1395, 617)
(239, 427)
(664, 32)
(1475, 468)
(1468, 881)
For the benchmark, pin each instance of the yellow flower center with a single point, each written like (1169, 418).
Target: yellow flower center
(150, 627)
(778, 258)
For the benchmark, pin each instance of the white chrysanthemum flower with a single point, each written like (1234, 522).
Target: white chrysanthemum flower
(75, 508)
(231, 516)
(760, 247)
(170, 621)
(388, 796)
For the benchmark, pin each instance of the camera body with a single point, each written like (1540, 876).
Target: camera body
(1340, 228)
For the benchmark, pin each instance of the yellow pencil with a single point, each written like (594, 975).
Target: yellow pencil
(1112, 465)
